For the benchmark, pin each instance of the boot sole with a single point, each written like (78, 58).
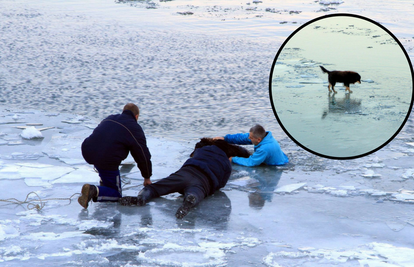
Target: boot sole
(83, 199)
(189, 202)
(128, 201)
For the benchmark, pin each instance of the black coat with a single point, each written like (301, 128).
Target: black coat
(214, 162)
(112, 140)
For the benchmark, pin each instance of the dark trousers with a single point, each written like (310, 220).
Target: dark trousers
(187, 180)
(110, 186)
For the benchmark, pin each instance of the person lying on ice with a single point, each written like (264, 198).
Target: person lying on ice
(266, 149)
(201, 175)
(107, 146)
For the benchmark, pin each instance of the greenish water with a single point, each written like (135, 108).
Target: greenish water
(342, 125)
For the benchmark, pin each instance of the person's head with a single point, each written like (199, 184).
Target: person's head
(256, 134)
(133, 108)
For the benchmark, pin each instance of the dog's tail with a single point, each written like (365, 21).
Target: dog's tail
(324, 70)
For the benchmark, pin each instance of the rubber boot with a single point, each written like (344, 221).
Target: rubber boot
(88, 192)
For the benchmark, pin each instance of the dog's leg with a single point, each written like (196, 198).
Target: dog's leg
(329, 88)
(348, 89)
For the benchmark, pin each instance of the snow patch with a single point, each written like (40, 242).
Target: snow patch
(31, 133)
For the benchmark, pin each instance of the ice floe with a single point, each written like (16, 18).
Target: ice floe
(372, 254)
(289, 188)
(330, 2)
(370, 174)
(42, 171)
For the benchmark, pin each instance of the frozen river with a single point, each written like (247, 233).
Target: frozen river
(195, 68)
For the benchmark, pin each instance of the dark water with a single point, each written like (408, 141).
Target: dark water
(200, 75)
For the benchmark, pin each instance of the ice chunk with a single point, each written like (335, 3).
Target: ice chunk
(82, 174)
(348, 187)
(330, 2)
(243, 181)
(374, 165)
(71, 161)
(377, 193)
(371, 174)
(7, 230)
(339, 193)
(89, 224)
(367, 81)
(408, 174)
(31, 133)
(72, 121)
(405, 196)
(317, 189)
(43, 171)
(289, 188)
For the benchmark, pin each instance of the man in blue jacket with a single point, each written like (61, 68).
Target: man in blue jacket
(201, 175)
(266, 149)
(107, 146)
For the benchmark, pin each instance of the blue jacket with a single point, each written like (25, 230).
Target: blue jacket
(214, 162)
(267, 151)
(112, 140)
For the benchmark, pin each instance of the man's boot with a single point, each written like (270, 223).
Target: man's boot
(189, 202)
(88, 192)
(144, 196)
(128, 201)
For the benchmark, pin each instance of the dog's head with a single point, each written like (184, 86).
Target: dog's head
(356, 77)
(230, 149)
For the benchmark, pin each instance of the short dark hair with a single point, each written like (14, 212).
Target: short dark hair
(258, 131)
(132, 107)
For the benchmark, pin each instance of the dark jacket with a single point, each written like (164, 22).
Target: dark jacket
(214, 162)
(113, 139)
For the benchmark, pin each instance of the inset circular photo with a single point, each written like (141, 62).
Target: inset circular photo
(341, 86)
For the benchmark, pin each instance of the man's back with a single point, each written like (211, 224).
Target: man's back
(113, 139)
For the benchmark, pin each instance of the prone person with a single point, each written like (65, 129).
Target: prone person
(266, 149)
(206, 171)
(107, 146)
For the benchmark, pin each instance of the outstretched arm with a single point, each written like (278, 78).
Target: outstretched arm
(256, 159)
(239, 139)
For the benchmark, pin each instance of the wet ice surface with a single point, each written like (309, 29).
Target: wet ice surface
(89, 58)
(314, 211)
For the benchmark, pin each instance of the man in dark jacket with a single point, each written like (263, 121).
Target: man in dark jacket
(107, 146)
(205, 172)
